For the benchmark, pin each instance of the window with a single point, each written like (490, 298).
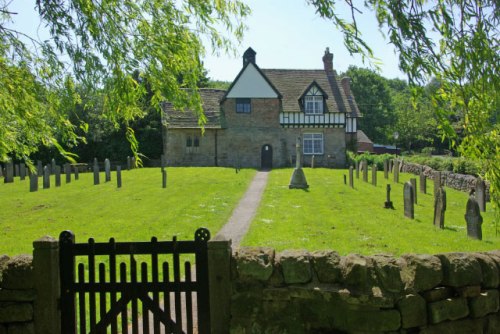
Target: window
(196, 142)
(243, 106)
(313, 101)
(313, 143)
(189, 142)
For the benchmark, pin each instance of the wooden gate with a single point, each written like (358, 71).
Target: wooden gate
(107, 301)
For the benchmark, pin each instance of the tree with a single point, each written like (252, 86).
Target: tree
(98, 45)
(455, 41)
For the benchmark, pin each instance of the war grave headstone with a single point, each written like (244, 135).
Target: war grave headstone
(9, 172)
(107, 170)
(396, 171)
(388, 203)
(439, 207)
(386, 169)
(423, 182)
(67, 172)
(298, 180)
(46, 177)
(118, 176)
(57, 172)
(351, 177)
(52, 166)
(16, 170)
(96, 172)
(437, 180)
(473, 219)
(409, 202)
(374, 174)
(356, 166)
(481, 194)
(364, 165)
(22, 171)
(414, 185)
(33, 182)
(39, 168)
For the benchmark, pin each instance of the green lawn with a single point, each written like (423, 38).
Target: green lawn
(330, 215)
(194, 197)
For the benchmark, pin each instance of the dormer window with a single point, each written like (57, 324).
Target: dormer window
(313, 101)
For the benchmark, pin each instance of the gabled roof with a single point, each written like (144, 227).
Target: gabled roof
(308, 88)
(362, 137)
(264, 77)
(210, 98)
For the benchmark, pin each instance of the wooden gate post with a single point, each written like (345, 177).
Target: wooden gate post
(46, 270)
(219, 274)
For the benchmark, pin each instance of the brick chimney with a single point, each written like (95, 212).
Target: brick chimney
(249, 56)
(328, 61)
(346, 85)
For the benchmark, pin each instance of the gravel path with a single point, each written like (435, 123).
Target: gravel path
(237, 226)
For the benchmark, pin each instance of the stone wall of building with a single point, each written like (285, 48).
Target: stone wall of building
(322, 292)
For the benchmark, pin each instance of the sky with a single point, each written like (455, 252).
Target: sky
(286, 34)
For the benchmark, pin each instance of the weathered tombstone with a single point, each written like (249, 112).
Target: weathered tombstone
(163, 178)
(46, 177)
(386, 169)
(57, 173)
(129, 163)
(439, 207)
(22, 171)
(413, 182)
(388, 203)
(374, 174)
(133, 162)
(107, 170)
(16, 170)
(119, 176)
(351, 177)
(77, 176)
(96, 172)
(473, 219)
(409, 202)
(33, 182)
(52, 166)
(298, 180)
(312, 161)
(437, 180)
(423, 182)
(9, 172)
(391, 165)
(364, 163)
(356, 166)
(396, 171)
(481, 194)
(67, 172)
(39, 168)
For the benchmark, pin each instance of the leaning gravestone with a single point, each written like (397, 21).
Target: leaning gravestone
(396, 171)
(57, 173)
(481, 194)
(439, 207)
(67, 172)
(388, 203)
(437, 181)
(414, 185)
(409, 202)
(33, 182)
(9, 172)
(39, 168)
(423, 183)
(107, 170)
(46, 177)
(118, 176)
(473, 219)
(374, 174)
(96, 172)
(364, 165)
(351, 177)
(298, 180)
(22, 171)
(356, 166)
(386, 169)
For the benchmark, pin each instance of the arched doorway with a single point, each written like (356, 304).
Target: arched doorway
(266, 157)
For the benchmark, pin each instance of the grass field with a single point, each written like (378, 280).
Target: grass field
(194, 197)
(331, 215)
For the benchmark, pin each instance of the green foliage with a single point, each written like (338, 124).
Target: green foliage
(371, 159)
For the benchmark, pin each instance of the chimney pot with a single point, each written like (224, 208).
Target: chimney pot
(328, 61)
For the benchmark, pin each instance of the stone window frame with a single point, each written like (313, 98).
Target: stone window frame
(243, 106)
(310, 138)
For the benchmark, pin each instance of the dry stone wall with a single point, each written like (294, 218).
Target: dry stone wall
(322, 292)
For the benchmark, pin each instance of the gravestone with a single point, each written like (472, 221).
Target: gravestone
(386, 169)
(312, 161)
(96, 172)
(481, 194)
(22, 171)
(364, 165)
(391, 165)
(388, 203)
(33, 183)
(46, 177)
(423, 182)
(1, 171)
(439, 207)
(67, 172)
(437, 180)
(356, 166)
(163, 178)
(163, 161)
(132, 163)
(16, 170)
(414, 185)
(473, 219)
(57, 173)
(119, 176)
(107, 170)
(396, 171)
(52, 166)
(9, 172)
(345, 179)
(77, 176)
(298, 180)
(374, 174)
(351, 177)
(129, 163)
(409, 202)
(39, 168)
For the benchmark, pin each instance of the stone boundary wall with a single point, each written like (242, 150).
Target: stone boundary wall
(322, 292)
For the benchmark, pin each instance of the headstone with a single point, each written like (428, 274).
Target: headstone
(129, 163)
(396, 171)
(107, 170)
(9, 172)
(386, 169)
(423, 183)
(39, 168)
(439, 207)
(119, 176)
(473, 219)
(163, 178)
(67, 172)
(388, 203)
(46, 177)
(77, 176)
(351, 177)
(57, 172)
(132, 162)
(481, 194)
(298, 180)
(356, 166)
(409, 202)
(16, 170)
(437, 181)
(52, 166)
(374, 174)
(345, 179)
(391, 165)
(33, 182)
(364, 163)
(96, 172)
(413, 182)
(312, 161)
(1, 171)
(22, 171)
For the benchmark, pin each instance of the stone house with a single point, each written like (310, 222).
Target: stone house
(256, 122)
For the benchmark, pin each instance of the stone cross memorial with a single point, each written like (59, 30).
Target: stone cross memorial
(439, 207)
(481, 194)
(409, 202)
(473, 219)
(107, 170)
(388, 203)
(298, 180)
